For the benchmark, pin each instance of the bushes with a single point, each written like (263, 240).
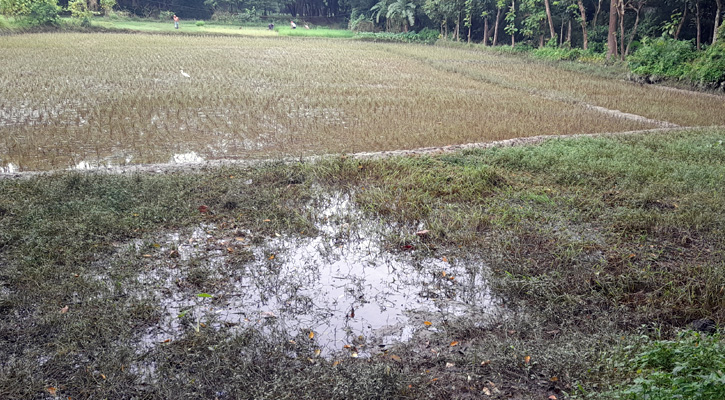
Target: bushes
(34, 12)
(428, 36)
(566, 53)
(674, 59)
(663, 58)
(690, 367)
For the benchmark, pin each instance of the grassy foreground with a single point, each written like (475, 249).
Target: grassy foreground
(597, 245)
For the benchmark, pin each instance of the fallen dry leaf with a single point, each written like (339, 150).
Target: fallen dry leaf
(423, 232)
(317, 352)
(486, 391)
(450, 365)
(52, 390)
(552, 397)
(527, 359)
(486, 362)
(445, 259)
(454, 343)
(396, 358)
(311, 335)
(427, 323)
(64, 310)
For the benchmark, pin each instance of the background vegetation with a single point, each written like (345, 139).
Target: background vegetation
(681, 35)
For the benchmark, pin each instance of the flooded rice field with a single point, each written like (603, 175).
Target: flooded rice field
(341, 290)
(78, 101)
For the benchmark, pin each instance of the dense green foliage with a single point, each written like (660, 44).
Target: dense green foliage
(676, 59)
(428, 36)
(688, 367)
(32, 12)
(663, 57)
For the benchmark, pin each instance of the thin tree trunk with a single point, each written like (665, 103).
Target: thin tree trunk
(458, 27)
(717, 20)
(485, 31)
(541, 41)
(621, 10)
(548, 17)
(638, 9)
(495, 29)
(596, 15)
(697, 22)
(513, 34)
(682, 22)
(612, 33)
(469, 34)
(568, 32)
(561, 33)
(583, 13)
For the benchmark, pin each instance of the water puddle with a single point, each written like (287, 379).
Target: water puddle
(342, 289)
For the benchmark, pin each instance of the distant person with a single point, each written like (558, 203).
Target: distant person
(270, 26)
(293, 25)
(176, 22)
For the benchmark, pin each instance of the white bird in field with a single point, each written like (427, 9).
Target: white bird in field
(184, 74)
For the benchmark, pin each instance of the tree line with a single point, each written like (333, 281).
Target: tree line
(611, 26)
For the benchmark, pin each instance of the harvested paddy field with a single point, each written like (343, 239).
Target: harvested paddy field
(87, 100)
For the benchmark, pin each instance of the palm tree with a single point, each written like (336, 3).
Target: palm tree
(403, 11)
(380, 8)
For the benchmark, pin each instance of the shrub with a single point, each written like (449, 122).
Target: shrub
(249, 15)
(425, 36)
(107, 6)
(80, 12)
(34, 12)
(199, 23)
(166, 15)
(662, 57)
(708, 70)
(690, 367)
(223, 17)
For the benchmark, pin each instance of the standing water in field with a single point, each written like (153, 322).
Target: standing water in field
(342, 288)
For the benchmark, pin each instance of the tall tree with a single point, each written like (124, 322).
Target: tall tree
(511, 23)
(548, 17)
(637, 7)
(500, 4)
(612, 32)
(402, 12)
(717, 20)
(698, 15)
(583, 21)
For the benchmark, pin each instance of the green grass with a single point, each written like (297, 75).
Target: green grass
(319, 32)
(592, 243)
(185, 27)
